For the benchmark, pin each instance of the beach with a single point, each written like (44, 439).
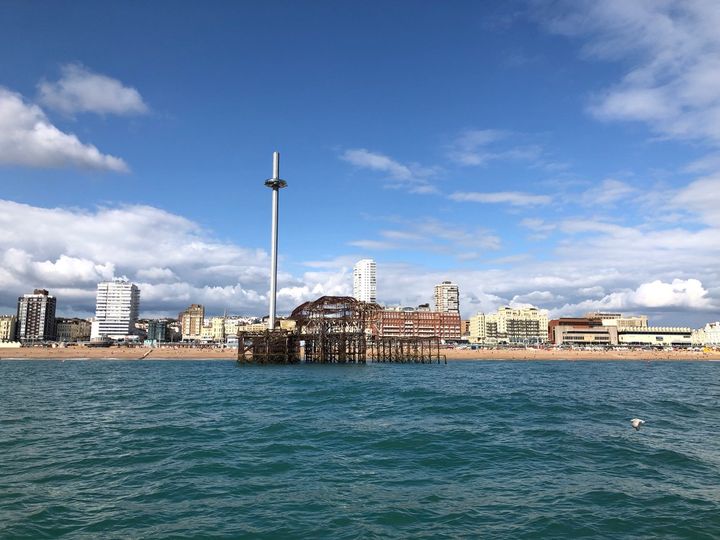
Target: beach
(213, 353)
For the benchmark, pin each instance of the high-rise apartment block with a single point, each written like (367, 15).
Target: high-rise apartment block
(36, 316)
(116, 309)
(447, 297)
(365, 281)
(191, 322)
(7, 327)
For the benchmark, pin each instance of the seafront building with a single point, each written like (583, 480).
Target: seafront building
(582, 336)
(72, 330)
(157, 331)
(619, 320)
(8, 324)
(36, 316)
(233, 324)
(420, 322)
(656, 336)
(709, 336)
(447, 297)
(116, 310)
(578, 330)
(613, 329)
(513, 326)
(192, 321)
(365, 281)
(217, 328)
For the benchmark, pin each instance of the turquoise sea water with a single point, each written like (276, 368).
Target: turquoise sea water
(128, 449)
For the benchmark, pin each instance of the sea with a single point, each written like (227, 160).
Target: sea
(213, 449)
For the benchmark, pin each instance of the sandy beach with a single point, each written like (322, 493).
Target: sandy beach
(201, 353)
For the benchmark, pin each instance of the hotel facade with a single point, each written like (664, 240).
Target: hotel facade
(513, 326)
(409, 322)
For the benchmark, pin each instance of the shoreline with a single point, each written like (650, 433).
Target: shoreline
(141, 353)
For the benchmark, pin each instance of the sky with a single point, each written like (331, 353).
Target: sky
(564, 154)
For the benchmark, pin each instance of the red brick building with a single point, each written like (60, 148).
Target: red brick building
(417, 324)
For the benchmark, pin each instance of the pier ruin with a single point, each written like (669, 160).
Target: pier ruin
(335, 330)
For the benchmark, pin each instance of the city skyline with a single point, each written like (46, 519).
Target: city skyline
(563, 155)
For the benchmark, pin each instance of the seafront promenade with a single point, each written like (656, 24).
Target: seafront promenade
(184, 353)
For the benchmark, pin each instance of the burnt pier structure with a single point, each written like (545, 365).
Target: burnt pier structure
(335, 330)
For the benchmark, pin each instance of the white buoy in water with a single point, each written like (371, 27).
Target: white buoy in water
(636, 423)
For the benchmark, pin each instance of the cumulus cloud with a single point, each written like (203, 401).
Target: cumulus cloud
(412, 177)
(671, 273)
(80, 90)
(156, 273)
(672, 48)
(514, 198)
(68, 249)
(28, 138)
(677, 295)
(533, 298)
(72, 270)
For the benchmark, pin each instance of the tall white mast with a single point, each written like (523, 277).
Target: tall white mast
(275, 183)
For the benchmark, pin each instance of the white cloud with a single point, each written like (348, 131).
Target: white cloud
(155, 273)
(672, 50)
(72, 270)
(377, 162)
(68, 249)
(607, 192)
(702, 197)
(80, 90)
(413, 177)
(537, 224)
(679, 294)
(433, 236)
(533, 298)
(469, 147)
(27, 138)
(479, 147)
(373, 245)
(515, 198)
(670, 273)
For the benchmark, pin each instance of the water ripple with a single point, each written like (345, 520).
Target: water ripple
(492, 449)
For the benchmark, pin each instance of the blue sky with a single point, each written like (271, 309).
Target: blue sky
(563, 154)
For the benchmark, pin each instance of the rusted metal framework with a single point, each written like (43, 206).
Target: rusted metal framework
(334, 329)
(418, 350)
(268, 347)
